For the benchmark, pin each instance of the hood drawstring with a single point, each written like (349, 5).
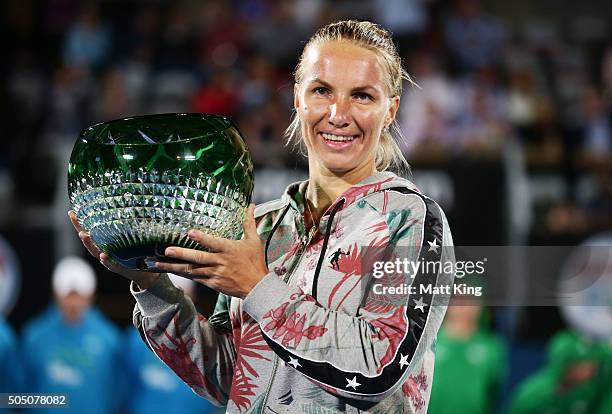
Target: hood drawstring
(278, 222)
(337, 207)
(324, 247)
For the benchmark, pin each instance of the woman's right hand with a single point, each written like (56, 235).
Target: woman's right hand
(143, 279)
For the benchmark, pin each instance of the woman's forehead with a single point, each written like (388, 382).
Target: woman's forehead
(342, 61)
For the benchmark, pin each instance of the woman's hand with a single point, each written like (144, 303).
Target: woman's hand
(232, 267)
(143, 279)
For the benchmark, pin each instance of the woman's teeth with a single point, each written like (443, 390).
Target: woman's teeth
(339, 138)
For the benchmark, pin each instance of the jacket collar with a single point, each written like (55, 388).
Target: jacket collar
(294, 194)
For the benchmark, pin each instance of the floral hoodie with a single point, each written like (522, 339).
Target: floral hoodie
(314, 336)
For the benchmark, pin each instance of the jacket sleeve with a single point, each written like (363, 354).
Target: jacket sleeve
(370, 355)
(199, 350)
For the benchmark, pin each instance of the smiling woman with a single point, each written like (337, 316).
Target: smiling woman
(298, 326)
(381, 74)
(343, 106)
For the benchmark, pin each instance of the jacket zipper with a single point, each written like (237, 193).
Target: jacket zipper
(304, 241)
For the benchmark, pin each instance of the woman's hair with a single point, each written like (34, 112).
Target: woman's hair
(372, 37)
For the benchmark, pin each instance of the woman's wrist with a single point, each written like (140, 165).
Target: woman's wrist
(145, 281)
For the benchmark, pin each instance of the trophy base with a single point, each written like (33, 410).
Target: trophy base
(134, 257)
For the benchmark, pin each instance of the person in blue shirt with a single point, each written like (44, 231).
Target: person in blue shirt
(155, 388)
(72, 348)
(11, 375)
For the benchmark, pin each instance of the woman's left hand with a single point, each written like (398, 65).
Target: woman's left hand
(232, 267)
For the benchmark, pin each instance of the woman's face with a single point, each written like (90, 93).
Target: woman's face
(343, 105)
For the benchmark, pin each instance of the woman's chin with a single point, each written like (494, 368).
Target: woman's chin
(341, 169)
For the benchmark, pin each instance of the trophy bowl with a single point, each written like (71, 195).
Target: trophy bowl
(137, 185)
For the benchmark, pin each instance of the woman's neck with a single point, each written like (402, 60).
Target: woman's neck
(324, 187)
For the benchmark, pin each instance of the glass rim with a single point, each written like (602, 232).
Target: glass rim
(99, 127)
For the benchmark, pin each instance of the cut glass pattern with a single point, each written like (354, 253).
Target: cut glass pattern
(139, 184)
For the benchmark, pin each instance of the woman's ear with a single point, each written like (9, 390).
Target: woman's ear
(392, 112)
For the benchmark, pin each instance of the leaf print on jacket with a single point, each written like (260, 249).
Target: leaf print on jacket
(413, 388)
(247, 342)
(291, 328)
(178, 358)
(391, 328)
(353, 264)
(358, 191)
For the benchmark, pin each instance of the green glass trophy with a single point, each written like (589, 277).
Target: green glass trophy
(139, 184)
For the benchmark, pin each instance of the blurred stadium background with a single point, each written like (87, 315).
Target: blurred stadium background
(511, 130)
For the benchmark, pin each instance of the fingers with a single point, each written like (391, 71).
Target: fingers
(213, 243)
(188, 270)
(86, 239)
(84, 236)
(250, 227)
(110, 264)
(75, 222)
(89, 244)
(191, 255)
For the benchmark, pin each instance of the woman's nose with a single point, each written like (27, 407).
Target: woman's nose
(339, 113)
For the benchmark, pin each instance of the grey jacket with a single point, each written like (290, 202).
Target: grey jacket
(319, 333)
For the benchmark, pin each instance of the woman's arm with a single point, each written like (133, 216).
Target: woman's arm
(199, 350)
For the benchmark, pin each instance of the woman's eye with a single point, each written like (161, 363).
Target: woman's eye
(362, 96)
(320, 90)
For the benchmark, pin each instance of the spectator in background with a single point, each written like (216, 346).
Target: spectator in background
(576, 379)
(276, 39)
(466, 350)
(534, 119)
(587, 216)
(475, 39)
(154, 388)
(429, 110)
(596, 127)
(263, 128)
(11, 374)
(88, 41)
(406, 19)
(177, 43)
(69, 105)
(606, 69)
(218, 95)
(112, 99)
(72, 348)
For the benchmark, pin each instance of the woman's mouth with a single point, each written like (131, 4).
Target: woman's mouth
(338, 138)
(338, 142)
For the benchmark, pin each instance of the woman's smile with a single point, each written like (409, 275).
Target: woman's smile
(338, 141)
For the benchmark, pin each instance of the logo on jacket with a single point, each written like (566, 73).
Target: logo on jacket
(335, 257)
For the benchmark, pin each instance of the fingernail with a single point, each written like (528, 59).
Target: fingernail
(150, 263)
(192, 233)
(170, 251)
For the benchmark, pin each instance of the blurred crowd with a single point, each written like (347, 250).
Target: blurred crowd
(72, 350)
(533, 93)
(485, 82)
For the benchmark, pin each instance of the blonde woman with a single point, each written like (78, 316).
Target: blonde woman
(293, 332)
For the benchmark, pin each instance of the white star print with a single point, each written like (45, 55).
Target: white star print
(403, 361)
(352, 383)
(419, 304)
(433, 245)
(293, 362)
